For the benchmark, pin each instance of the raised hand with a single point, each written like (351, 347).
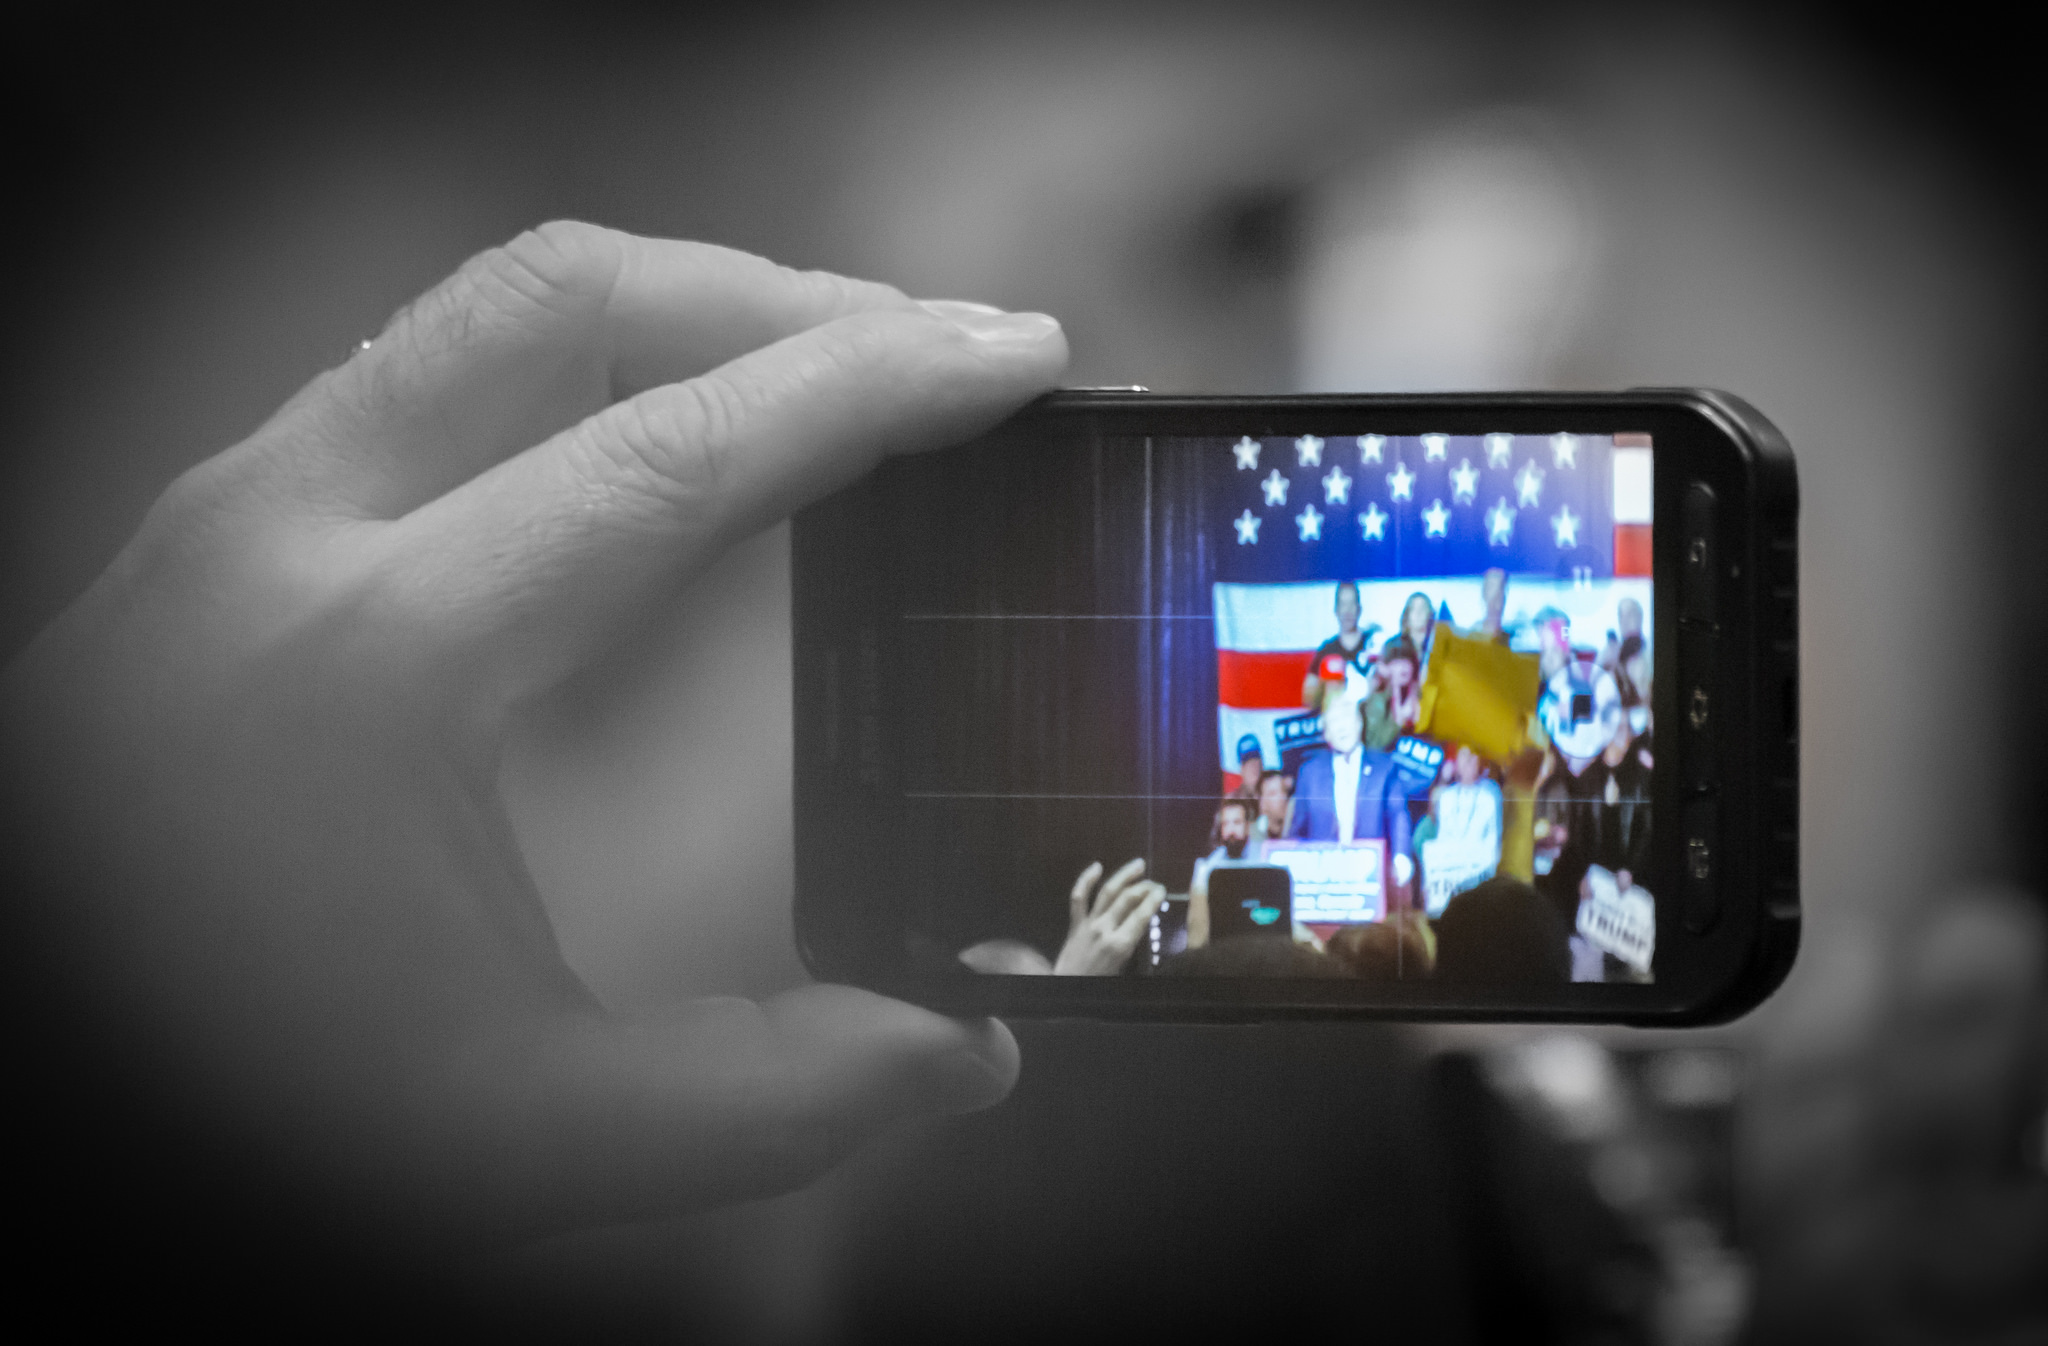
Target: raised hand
(1105, 923)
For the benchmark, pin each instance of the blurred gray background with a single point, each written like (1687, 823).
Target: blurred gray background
(1830, 219)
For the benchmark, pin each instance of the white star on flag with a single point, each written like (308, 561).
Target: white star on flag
(1247, 528)
(1435, 519)
(1309, 450)
(1564, 451)
(1464, 482)
(1336, 488)
(1373, 523)
(1369, 448)
(1310, 523)
(1434, 447)
(1566, 525)
(1275, 487)
(1500, 524)
(1247, 451)
(1401, 482)
(1529, 481)
(1500, 449)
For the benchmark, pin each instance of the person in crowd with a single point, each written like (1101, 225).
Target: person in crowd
(1628, 616)
(1418, 626)
(1628, 624)
(1468, 810)
(1493, 590)
(1603, 812)
(1552, 809)
(1251, 767)
(1341, 657)
(1347, 792)
(1553, 641)
(1276, 804)
(1458, 841)
(1392, 707)
(1401, 946)
(1501, 933)
(1235, 845)
(1632, 675)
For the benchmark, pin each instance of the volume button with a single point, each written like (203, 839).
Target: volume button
(1700, 559)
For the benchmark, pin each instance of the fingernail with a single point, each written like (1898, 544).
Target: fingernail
(983, 1072)
(953, 309)
(1009, 329)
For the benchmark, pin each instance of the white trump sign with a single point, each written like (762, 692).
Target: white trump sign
(1333, 883)
(1617, 920)
(1449, 867)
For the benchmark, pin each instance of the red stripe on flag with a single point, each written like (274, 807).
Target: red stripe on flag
(1632, 549)
(1263, 680)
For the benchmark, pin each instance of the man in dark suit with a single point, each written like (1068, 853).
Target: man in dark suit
(1346, 792)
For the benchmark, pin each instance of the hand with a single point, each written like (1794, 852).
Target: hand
(1005, 958)
(261, 752)
(1104, 927)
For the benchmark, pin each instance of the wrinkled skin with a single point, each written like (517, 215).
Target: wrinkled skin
(272, 870)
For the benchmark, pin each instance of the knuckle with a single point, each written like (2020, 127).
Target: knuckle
(672, 450)
(859, 346)
(564, 271)
(830, 292)
(565, 267)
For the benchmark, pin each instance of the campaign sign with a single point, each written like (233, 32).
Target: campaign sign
(1619, 921)
(1418, 760)
(1334, 883)
(1450, 866)
(1296, 736)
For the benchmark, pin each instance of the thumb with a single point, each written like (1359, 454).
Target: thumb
(724, 1100)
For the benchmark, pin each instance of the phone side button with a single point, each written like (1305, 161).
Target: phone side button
(1698, 716)
(1697, 575)
(1700, 886)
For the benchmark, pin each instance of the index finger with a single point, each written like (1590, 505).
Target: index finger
(1137, 908)
(1114, 888)
(1084, 886)
(520, 574)
(528, 338)
(1137, 898)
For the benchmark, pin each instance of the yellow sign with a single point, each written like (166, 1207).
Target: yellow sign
(1483, 695)
(1479, 694)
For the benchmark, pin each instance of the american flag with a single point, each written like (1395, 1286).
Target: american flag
(1568, 517)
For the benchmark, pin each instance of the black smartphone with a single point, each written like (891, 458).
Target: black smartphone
(1471, 707)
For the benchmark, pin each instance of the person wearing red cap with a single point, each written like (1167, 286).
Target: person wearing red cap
(1340, 654)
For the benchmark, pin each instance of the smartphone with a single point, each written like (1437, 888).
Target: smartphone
(1478, 707)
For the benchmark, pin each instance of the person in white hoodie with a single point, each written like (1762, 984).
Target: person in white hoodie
(1466, 846)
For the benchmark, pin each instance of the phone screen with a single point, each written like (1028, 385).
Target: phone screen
(1403, 679)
